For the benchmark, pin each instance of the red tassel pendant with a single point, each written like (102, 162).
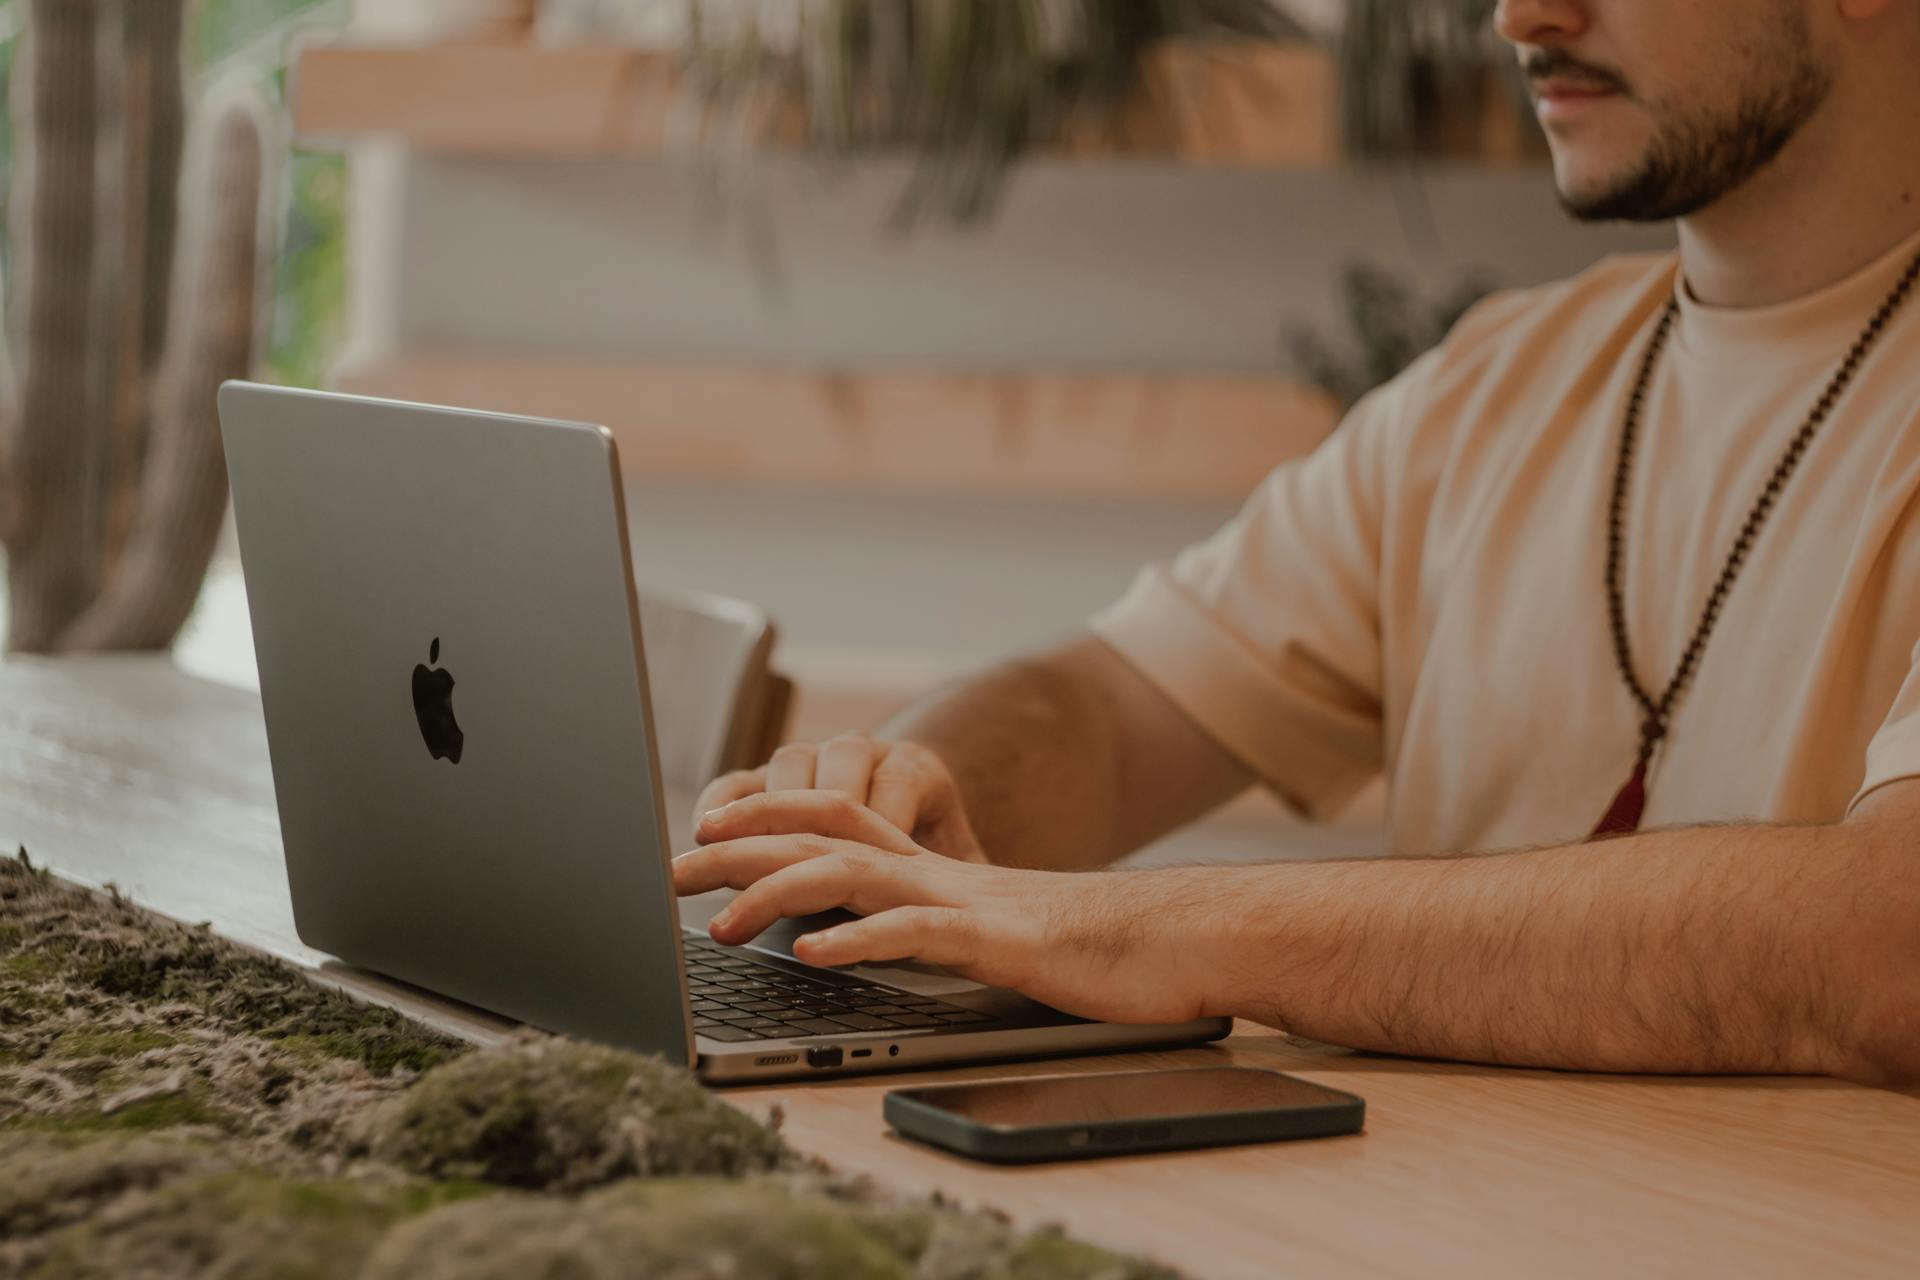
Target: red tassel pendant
(1623, 815)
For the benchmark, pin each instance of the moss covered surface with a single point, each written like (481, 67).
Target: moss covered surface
(171, 1105)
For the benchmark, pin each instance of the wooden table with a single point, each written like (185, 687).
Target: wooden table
(127, 771)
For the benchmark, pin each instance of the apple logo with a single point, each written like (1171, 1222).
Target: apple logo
(433, 705)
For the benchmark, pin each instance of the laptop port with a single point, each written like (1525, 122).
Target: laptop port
(775, 1059)
(824, 1055)
(861, 1053)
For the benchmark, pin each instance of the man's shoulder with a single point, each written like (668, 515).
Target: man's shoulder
(1569, 313)
(1482, 391)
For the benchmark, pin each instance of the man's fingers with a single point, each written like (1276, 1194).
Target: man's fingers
(791, 768)
(904, 786)
(735, 864)
(845, 764)
(821, 813)
(862, 880)
(727, 788)
(946, 936)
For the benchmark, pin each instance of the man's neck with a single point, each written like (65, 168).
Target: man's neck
(1843, 192)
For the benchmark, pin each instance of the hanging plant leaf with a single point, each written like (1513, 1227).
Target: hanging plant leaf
(966, 87)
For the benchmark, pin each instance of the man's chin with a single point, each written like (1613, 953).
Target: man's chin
(1587, 204)
(1618, 196)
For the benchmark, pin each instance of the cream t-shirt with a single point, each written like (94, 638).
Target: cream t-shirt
(1424, 595)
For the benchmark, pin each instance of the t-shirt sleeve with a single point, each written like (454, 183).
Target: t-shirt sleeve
(1893, 754)
(1267, 634)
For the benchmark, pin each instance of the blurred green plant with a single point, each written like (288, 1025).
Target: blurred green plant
(966, 87)
(223, 29)
(1409, 66)
(1390, 325)
(309, 299)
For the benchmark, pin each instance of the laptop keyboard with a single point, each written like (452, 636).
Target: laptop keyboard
(737, 997)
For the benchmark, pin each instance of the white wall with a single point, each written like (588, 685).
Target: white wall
(1091, 266)
(1114, 265)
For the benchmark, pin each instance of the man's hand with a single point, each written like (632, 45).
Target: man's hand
(1117, 946)
(903, 782)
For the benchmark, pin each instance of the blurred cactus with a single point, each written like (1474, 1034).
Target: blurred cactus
(112, 480)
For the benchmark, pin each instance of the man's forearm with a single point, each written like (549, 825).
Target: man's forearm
(1792, 949)
(1035, 771)
(1070, 758)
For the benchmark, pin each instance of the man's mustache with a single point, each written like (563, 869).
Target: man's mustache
(1558, 64)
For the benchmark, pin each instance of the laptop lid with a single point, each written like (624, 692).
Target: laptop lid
(456, 706)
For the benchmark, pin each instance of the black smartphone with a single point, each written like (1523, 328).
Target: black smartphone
(1070, 1117)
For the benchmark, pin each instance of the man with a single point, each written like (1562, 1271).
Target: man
(1637, 554)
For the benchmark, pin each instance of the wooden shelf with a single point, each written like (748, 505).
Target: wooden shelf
(1252, 104)
(487, 99)
(1176, 436)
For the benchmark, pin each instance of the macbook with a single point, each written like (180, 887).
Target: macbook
(454, 681)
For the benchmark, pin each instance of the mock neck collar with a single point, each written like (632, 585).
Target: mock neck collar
(1816, 327)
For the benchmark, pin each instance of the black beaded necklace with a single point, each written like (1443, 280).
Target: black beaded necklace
(1623, 815)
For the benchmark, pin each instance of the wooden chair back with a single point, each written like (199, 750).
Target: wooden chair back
(717, 704)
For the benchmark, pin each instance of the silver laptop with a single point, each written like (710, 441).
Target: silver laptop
(457, 713)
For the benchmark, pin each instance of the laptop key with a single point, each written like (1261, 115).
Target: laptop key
(759, 1006)
(880, 1010)
(729, 1034)
(962, 1015)
(819, 1027)
(863, 1021)
(769, 1030)
(915, 1019)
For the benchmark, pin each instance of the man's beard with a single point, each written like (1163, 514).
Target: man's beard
(1693, 162)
